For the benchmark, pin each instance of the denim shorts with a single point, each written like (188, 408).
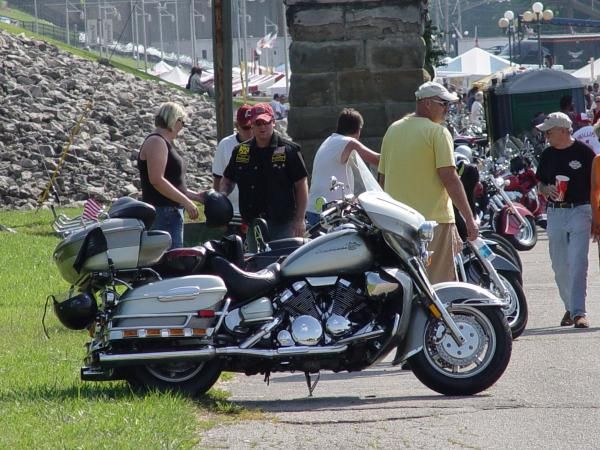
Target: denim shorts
(170, 219)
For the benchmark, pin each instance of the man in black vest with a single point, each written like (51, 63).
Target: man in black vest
(272, 179)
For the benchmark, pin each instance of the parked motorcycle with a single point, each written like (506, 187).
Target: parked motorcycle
(341, 302)
(499, 213)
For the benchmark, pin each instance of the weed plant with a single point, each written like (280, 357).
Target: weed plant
(43, 403)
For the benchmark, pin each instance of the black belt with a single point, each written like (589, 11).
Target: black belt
(566, 204)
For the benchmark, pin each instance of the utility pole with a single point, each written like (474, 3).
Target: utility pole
(245, 31)
(222, 56)
(145, 39)
(285, 49)
(193, 31)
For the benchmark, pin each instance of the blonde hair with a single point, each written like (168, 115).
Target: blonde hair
(168, 114)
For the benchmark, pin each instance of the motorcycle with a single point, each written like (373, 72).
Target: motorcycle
(499, 213)
(483, 266)
(341, 302)
(521, 187)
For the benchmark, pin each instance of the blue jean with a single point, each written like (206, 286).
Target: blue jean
(170, 219)
(276, 231)
(569, 241)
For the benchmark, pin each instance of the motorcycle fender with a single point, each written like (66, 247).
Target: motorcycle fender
(509, 222)
(449, 293)
(503, 264)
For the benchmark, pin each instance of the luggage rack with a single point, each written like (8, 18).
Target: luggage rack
(64, 225)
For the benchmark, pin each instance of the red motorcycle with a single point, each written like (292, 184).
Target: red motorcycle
(521, 187)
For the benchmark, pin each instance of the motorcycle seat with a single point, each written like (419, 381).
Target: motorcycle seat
(243, 285)
(288, 243)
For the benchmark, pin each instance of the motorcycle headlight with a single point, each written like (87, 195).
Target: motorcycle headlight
(426, 230)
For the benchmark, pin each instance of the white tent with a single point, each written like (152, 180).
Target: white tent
(176, 76)
(279, 87)
(160, 67)
(474, 63)
(589, 72)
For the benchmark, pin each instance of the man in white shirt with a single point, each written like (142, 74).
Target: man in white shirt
(585, 133)
(277, 107)
(331, 159)
(243, 125)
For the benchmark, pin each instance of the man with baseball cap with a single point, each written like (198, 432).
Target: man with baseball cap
(272, 179)
(569, 212)
(243, 125)
(417, 168)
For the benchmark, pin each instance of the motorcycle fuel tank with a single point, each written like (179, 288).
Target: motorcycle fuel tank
(337, 253)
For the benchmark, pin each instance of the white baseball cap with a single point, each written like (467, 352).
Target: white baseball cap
(433, 89)
(555, 120)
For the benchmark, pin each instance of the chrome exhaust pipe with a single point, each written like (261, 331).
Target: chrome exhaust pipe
(129, 359)
(206, 354)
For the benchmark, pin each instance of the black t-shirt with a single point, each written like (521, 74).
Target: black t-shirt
(266, 177)
(575, 162)
(174, 173)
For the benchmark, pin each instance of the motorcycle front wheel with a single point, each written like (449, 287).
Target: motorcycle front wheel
(467, 369)
(188, 378)
(526, 238)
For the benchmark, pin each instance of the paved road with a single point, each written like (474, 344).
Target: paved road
(549, 397)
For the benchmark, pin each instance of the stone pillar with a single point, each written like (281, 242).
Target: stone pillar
(364, 54)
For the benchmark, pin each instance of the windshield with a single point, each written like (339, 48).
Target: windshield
(360, 176)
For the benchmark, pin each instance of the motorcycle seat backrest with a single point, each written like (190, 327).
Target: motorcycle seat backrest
(229, 247)
(182, 261)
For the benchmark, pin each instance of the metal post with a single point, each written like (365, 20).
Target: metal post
(177, 31)
(239, 33)
(145, 38)
(35, 13)
(99, 28)
(67, 20)
(193, 31)
(510, 42)
(539, 30)
(285, 49)
(222, 57)
(245, 31)
(162, 50)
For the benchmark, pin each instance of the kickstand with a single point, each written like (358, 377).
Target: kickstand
(267, 377)
(311, 386)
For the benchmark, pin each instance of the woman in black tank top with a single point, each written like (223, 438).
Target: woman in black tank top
(162, 174)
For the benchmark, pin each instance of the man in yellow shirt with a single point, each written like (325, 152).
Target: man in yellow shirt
(417, 168)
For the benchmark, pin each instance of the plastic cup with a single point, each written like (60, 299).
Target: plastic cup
(561, 186)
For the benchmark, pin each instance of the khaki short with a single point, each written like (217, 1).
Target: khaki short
(445, 246)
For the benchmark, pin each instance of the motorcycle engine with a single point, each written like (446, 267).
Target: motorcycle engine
(320, 313)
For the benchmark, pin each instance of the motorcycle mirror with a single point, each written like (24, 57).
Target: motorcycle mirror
(333, 183)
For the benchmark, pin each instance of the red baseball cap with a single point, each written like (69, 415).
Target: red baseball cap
(243, 117)
(262, 111)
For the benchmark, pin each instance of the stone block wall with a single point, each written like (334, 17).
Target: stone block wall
(364, 54)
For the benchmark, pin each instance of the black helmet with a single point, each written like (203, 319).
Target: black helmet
(77, 312)
(217, 209)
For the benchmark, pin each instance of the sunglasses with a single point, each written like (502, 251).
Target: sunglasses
(444, 103)
(247, 127)
(260, 123)
(181, 121)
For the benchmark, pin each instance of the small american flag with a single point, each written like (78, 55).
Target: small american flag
(91, 209)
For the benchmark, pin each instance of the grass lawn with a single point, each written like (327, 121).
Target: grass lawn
(43, 403)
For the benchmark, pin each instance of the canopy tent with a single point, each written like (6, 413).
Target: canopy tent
(537, 81)
(474, 63)
(588, 72)
(176, 76)
(160, 67)
(279, 87)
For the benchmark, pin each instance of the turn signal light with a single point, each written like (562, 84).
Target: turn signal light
(163, 332)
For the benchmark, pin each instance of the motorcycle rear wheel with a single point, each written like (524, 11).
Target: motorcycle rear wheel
(188, 378)
(449, 369)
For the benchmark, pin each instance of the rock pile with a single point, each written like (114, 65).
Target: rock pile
(45, 92)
